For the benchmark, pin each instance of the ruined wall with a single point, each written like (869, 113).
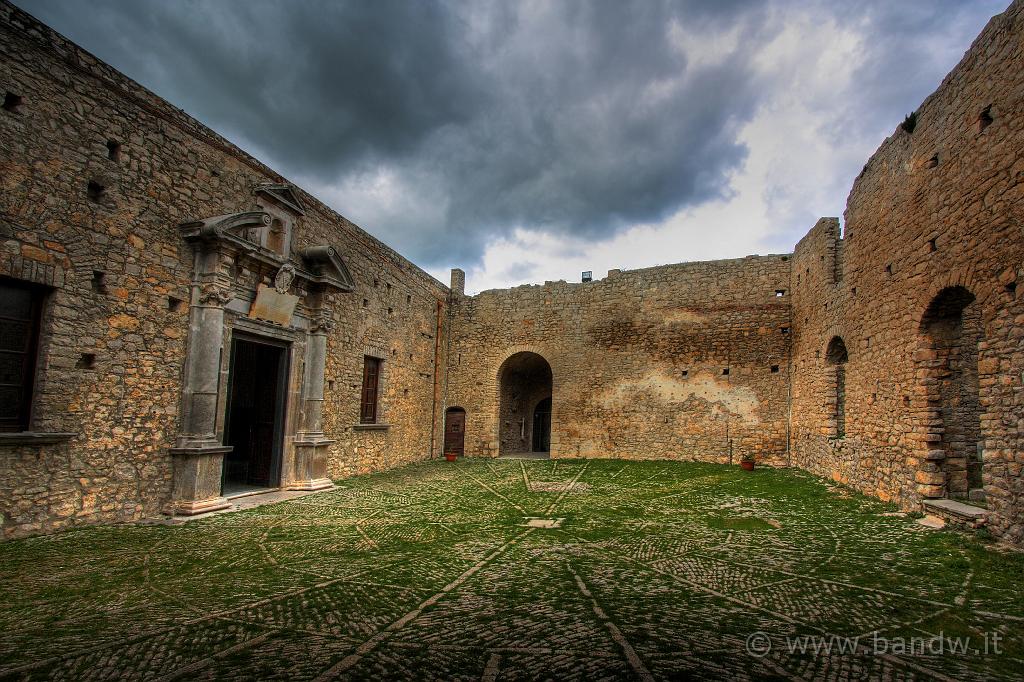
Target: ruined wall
(639, 360)
(120, 276)
(935, 207)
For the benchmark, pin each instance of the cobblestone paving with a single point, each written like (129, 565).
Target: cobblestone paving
(657, 571)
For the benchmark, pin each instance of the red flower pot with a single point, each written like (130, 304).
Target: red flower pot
(748, 466)
(450, 456)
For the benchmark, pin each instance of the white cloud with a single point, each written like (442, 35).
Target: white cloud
(792, 161)
(801, 164)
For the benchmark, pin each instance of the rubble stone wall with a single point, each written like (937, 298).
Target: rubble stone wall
(936, 207)
(671, 362)
(120, 275)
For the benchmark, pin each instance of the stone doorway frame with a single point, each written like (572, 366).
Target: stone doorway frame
(928, 474)
(231, 266)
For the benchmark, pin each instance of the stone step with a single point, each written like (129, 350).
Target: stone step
(956, 513)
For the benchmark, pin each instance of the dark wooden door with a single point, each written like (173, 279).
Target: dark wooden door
(542, 426)
(455, 431)
(255, 414)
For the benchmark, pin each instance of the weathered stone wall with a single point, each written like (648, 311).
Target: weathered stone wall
(121, 275)
(934, 208)
(690, 361)
(638, 361)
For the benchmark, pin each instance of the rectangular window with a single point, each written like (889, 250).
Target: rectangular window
(20, 307)
(371, 380)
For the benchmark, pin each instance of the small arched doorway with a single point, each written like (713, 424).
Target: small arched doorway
(836, 357)
(455, 431)
(524, 411)
(950, 333)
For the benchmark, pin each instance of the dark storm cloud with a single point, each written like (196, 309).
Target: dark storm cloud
(577, 117)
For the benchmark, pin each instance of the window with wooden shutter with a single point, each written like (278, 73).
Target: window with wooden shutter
(20, 306)
(371, 380)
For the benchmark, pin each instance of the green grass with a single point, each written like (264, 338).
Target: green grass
(427, 572)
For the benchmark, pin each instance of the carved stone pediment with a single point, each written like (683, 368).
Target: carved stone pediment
(327, 268)
(231, 227)
(283, 194)
(321, 265)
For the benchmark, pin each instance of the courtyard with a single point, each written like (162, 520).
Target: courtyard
(511, 569)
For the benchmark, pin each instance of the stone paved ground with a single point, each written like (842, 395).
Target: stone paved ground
(658, 571)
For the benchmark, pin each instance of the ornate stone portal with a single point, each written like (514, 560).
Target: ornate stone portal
(246, 278)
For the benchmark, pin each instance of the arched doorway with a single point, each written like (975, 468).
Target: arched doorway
(524, 412)
(455, 431)
(951, 332)
(836, 357)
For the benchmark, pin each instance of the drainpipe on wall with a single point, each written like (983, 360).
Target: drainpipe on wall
(437, 385)
(789, 400)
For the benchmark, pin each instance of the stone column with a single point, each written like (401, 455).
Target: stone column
(198, 453)
(310, 443)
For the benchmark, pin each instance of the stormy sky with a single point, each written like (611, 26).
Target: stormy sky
(527, 141)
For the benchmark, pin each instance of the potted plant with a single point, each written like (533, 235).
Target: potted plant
(747, 462)
(451, 456)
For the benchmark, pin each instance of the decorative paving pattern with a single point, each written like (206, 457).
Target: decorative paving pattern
(654, 570)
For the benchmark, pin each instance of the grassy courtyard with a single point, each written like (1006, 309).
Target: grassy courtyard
(658, 571)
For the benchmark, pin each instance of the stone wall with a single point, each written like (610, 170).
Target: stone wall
(685, 361)
(704, 361)
(116, 320)
(938, 206)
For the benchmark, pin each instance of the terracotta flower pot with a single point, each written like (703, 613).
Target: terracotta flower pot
(450, 456)
(747, 465)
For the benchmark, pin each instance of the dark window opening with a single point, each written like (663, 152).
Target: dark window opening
(686, 372)
(888, 269)
(836, 356)
(99, 282)
(95, 191)
(371, 381)
(932, 246)
(174, 304)
(390, 311)
(1011, 289)
(366, 303)
(985, 118)
(779, 293)
(784, 330)
(932, 162)
(86, 361)
(408, 298)
(113, 150)
(725, 372)
(12, 102)
(21, 306)
(775, 369)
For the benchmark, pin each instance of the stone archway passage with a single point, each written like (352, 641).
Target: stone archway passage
(951, 332)
(525, 381)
